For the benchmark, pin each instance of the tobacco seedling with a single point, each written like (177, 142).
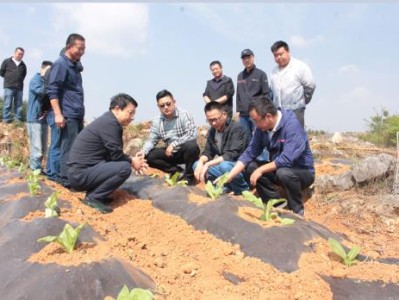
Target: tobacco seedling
(67, 238)
(33, 182)
(348, 258)
(134, 294)
(174, 180)
(267, 208)
(51, 208)
(215, 191)
(22, 168)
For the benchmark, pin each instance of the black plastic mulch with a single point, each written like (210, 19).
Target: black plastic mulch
(20, 279)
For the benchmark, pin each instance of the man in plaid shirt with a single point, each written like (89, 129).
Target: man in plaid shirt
(176, 128)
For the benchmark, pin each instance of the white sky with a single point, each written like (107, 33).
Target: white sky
(141, 48)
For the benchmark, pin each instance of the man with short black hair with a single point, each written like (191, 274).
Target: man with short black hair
(291, 81)
(66, 95)
(13, 70)
(291, 161)
(251, 82)
(220, 88)
(225, 142)
(176, 128)
(96, 161)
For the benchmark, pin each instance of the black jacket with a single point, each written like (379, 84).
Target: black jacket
(13, 76)
(226, 87)
(233, 144)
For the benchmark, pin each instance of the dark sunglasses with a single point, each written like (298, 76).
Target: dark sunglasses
(167, 104)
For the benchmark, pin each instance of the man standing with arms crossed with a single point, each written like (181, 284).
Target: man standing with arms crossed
(291, 82)
(65, 91)
(13, 70)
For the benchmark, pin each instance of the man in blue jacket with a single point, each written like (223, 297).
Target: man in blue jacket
(65, 91)
(36, 124)
(291, 160)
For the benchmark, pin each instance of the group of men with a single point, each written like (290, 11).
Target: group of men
(271, 119)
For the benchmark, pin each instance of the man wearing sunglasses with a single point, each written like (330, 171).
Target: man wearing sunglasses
(225, 142)
(176, 128)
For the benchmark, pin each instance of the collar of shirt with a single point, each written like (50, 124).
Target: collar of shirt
(17, 62)
(271, 132)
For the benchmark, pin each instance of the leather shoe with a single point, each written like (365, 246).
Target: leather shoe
(98, 205)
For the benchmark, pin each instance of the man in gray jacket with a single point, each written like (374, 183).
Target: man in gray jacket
(291, 82)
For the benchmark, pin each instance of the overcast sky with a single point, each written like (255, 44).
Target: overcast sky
(141, 48)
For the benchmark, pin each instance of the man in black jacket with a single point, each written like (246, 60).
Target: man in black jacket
(13, 70)
(225, 143)
(220, 88)
(96, 161)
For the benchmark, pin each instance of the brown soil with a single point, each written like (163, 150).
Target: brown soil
(189, 264)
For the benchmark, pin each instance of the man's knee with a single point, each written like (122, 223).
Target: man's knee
(226, 166)
(191, 147)
(285, 175)
(252, 166)
(125, 170)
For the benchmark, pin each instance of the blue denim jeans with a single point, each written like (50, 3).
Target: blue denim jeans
(12, 97)
(37, 133)
(54, 152)
(248, 125)
(237, 185)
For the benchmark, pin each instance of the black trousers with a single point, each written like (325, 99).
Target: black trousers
(188, 154)
(99, 180)
(293, 181)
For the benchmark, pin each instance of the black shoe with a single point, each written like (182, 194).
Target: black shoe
(189, 178)
(107, 200)
(281, 205)
(98, 205)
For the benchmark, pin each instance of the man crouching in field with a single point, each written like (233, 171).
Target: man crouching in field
(96, 162)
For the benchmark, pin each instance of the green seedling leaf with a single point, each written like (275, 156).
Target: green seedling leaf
(33, 182)
(222, 180)
(51, 206)
(134, 294)
(349, 258)
(253, 199)
(269, 207)
(212, 191)
(287, 221)
(22, 168)
(67, 238)
(174, 180)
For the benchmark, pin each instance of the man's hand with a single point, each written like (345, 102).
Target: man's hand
(59, 121)
(169, 151)
(197, 170)
(139, 164)
(255, 176)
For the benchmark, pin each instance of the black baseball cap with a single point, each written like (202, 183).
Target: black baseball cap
(246, 52)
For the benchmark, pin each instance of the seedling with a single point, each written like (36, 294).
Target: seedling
(51, 208)
(67, 238)
(22, 168)
(174, 180)
(33, 182)
(215, 191)
(267, 208)
(348, 258)
(134, 294)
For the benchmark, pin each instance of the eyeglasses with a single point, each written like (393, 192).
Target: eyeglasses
(166, 104)
(211, 121)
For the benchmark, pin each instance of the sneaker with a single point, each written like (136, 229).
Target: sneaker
(107, 200)
(300, 212)
(98, 205)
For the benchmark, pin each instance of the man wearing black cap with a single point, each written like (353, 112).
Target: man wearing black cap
(251, 83)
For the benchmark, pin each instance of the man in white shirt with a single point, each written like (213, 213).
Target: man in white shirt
(291, 82)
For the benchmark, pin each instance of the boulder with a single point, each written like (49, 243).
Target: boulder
(373, 167)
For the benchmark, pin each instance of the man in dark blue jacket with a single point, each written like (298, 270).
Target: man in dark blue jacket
(65, 91)
(291, 160)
